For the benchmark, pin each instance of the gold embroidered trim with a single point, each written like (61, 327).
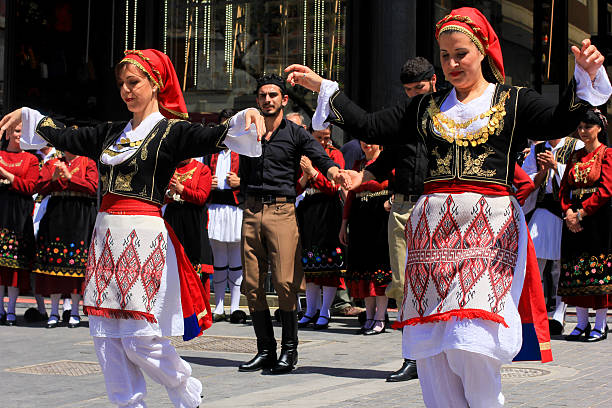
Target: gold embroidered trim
(5, 164)
(143, 69)
(366, 195)
(545, 346)
(475, 138)
(182, 177)
(467, 32)
(339, 118)
(473, 166)
(181, 115)
(583, 169)
(496, 72)
(463, 19)
(48, 122)
(443, 164)
(124, 181)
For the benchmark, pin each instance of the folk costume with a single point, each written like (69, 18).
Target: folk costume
(586, 256)
(139, 284)
(16, 230)
(546, 223)
(368, 269)
(225, 229)
(65, 232)
(468, 244)
(188, 216)
(319, 217)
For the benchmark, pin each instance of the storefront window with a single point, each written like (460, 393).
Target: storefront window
(219, 48)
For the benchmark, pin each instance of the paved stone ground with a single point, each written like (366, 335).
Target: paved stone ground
(336, 369)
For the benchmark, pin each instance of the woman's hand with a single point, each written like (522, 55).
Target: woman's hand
(343, 236)
(253, 116)
(176, 185)
(387, 205)
(571, 220)
(302, 75)
(307, 167)
(546, 160)
(215, 182)
(588, 57)
(356, 178)
(64, 171)
(6, 175)
(9, 122)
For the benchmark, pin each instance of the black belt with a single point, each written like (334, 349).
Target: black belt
(269, 199)
(406, 197)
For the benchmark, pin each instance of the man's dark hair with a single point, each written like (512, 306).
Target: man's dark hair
(272, 79)
(416, 69)
(226, 114)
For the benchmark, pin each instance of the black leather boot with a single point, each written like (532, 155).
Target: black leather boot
(289, 354)
(407, 372)
(266, 344)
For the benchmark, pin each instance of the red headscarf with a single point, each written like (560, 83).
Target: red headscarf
(472, 23)
(158, 67)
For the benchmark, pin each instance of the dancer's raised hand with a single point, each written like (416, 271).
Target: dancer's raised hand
(302, 75)
(588, 57)
(253, 116)
(8, 122)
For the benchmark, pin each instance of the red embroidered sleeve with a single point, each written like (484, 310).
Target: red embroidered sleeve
(27, 183)
(604, 191)
(523, 183)
(87, 184)
(199, 194)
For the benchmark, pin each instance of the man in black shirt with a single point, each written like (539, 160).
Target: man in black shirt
(269, 228)
(410, 164)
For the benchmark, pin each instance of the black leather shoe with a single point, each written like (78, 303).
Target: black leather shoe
(593, 339)
(576, 337)
(66, 316)
(3, 319)
(32, 315)
(555, 327)
(10, 322)
(238, 316)
(372, 332)
(55, 324)
(322, 326)
(218, 317)
(311, 320)
(363, 328)
(266, 344)
(407, 372)
(289, 354)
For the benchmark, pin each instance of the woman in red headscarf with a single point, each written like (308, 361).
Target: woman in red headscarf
(136, 266)
(467, 238)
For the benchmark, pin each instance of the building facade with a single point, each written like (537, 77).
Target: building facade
(59, 55)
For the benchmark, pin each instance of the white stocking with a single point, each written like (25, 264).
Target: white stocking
(219, 283)
(582, 315)
(600, 319)
(2, 311)
(13, 292)
(235, 280)
(313, 293)
(329, 293)
(55, 299)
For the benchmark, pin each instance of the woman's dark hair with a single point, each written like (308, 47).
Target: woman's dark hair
(226, 114)
(596, 117)
(4, 143)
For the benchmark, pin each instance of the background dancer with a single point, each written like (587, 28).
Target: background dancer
(270, 236)
(225, 226)
(458, 337)
(18, 175)
(64, 235)
(136, 266)
(586, 249)
(319, 217)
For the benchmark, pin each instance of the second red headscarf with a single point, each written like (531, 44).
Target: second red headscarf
(475, 25)
(158, 67)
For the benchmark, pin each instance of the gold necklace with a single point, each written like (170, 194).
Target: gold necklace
(125, 142)
(496, 120)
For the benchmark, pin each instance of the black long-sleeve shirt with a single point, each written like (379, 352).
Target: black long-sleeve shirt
(277, 170)
(410, 164)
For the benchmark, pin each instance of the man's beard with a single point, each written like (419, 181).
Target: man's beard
(271, 113)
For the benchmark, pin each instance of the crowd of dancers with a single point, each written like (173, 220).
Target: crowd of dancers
(141, 218)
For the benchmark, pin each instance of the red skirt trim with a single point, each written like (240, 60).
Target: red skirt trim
(362, 289)
(15, 277)
(332, 281)
(589, 301)
(118, 314)
(459, 314)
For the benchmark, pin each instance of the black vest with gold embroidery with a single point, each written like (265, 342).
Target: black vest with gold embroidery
(146, 174)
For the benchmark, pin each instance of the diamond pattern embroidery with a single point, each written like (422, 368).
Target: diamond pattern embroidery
(127, 269)
(90, 269)
(448, 237)
(152, 271)
(417, 273)
(501, 271)
(104, 268)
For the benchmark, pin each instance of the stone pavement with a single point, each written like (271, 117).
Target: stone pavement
(57, 368)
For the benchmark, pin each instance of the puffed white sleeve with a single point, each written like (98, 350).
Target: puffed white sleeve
(595, 92)
(242, 141)
(328, 88)
(30, 140)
